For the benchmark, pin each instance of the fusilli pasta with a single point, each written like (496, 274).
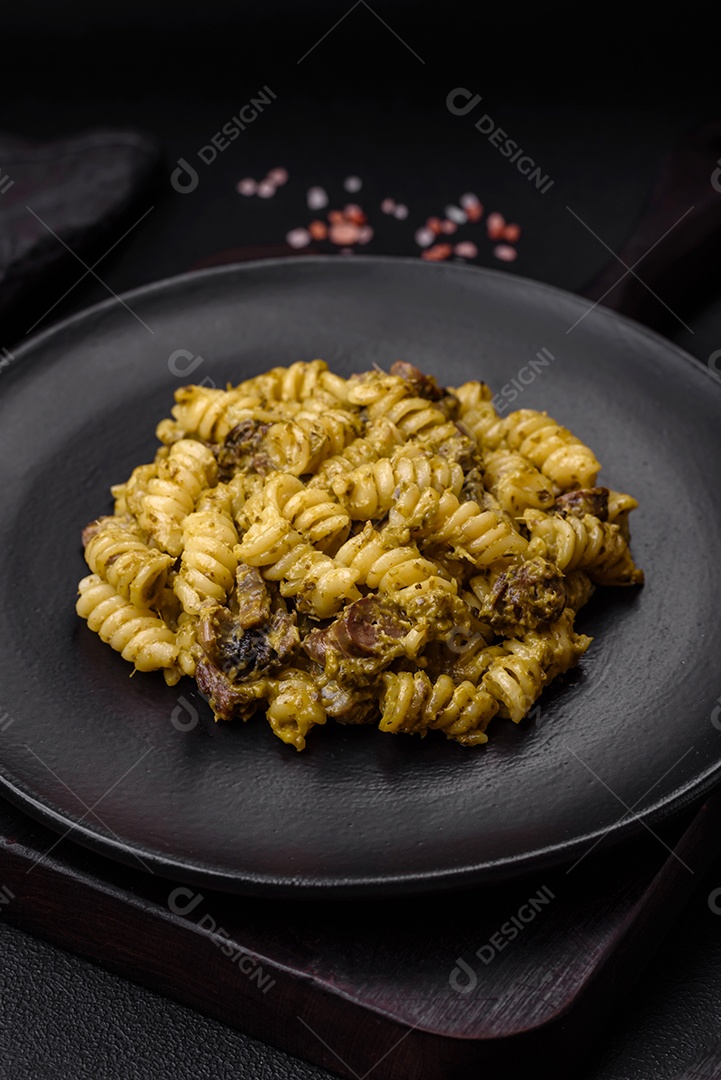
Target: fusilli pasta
(374, 550)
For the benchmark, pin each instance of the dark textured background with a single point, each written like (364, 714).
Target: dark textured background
(596, 98)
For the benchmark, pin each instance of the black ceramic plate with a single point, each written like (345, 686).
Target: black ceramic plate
(626, 739)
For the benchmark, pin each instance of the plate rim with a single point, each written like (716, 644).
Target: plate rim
(300, 887)
(165, 284)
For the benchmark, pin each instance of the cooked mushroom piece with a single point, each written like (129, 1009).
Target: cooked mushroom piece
(241, 652)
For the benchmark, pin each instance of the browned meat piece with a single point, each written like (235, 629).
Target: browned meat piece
(242, 653)
(227, 701)
(252, 597)
(530, 594)
(584, 501)
(243, 448)
(366, 628)
(424, 386)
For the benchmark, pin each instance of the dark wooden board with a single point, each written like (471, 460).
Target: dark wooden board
(375, 986)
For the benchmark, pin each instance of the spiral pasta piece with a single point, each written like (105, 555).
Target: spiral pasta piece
(474, 657)
(241, 488)
(391, 397)
(219, 499)
(338, 427)
(137, 634)
(411, 703)
(313, 513)
(190, 652)
(478, 416)
(619, 507)
(208, 414)
(482, 536)
(208, 562)
(370, 491)
(587, 544)
(516, 484)
(171, 495)
(129, 496)
(295, 706)
(552, 448)
(471, 395)
(516, 678)
(297, 383)
(578, 588)
(117, 553)
(316, 581)
(564, 644)
(299, 446)
(382, 562)
(380, 439)
(289, 448)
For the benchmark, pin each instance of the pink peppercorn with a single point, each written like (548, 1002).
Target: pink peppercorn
(318, 230)
(344, 233)
(496, 225)
(437, 253)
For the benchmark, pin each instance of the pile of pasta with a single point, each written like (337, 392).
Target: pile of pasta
(374, 550)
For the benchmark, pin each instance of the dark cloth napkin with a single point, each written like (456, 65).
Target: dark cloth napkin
(73, 192)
